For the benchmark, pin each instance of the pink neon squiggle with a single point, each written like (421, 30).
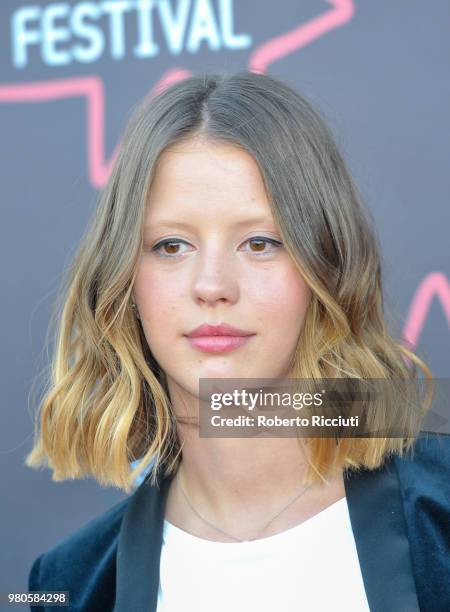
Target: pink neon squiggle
(434, 284)
(90, 88)
(284, 44)
(171, 77)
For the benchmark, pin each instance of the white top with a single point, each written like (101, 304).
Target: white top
(313, 566)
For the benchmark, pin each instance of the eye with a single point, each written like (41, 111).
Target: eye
(261, 243)
(170, 247)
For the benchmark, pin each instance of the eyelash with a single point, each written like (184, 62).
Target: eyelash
(276, 243)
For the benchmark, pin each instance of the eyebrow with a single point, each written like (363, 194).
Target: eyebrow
(186, 225)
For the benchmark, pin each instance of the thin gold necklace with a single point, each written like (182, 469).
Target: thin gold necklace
(259, 532)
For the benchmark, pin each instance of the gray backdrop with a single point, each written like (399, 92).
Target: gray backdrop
(70, 74)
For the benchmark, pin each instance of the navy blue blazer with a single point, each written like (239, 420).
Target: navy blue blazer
(400, 517)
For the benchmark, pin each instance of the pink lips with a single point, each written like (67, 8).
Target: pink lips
(218, 338)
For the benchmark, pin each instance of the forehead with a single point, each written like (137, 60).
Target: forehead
(201, 177)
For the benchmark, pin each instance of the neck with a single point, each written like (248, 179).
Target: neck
(227, 474)
(238, 484)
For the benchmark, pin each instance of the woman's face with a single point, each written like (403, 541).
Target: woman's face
(212, 255)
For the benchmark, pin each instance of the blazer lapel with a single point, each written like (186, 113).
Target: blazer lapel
(379, 528)
(378, 524)
(139, 549)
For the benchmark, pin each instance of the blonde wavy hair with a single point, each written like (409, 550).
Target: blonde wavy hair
(106, 402)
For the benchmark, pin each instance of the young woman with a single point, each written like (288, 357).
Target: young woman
(230, 242)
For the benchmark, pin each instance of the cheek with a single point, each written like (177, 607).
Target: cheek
(283, 296)
(156, 296)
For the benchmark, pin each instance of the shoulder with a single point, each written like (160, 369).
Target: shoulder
(425, 489)
(428, 462)
(424, 474)
(83, 563)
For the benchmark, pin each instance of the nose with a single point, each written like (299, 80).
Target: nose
(215, 279)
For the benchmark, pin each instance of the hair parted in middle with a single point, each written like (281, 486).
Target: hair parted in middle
(107, 401)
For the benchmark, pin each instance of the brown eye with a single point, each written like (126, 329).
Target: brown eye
(168, 248)
(259, 244)
(263, 246)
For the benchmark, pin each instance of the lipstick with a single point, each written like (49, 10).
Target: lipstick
(218, 338)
